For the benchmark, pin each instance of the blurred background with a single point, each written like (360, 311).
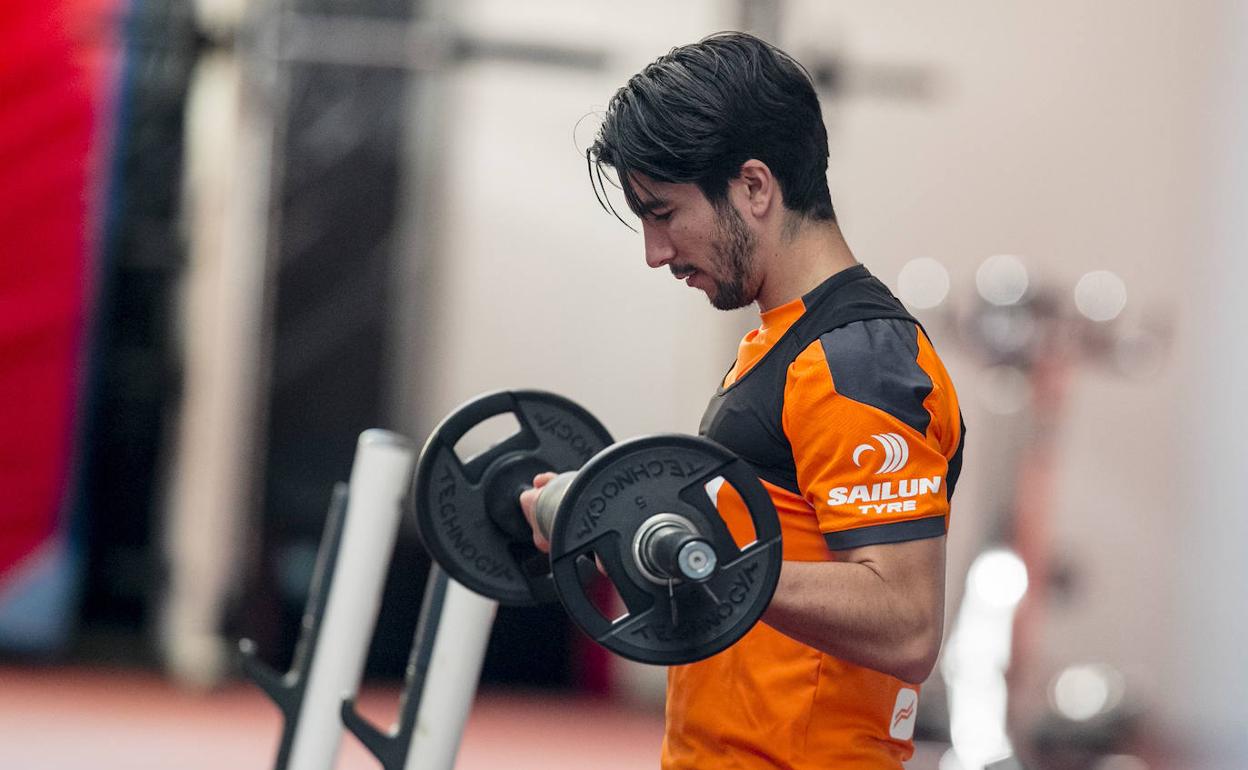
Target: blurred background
(236, 233)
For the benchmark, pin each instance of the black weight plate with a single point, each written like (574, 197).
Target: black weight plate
(467, 513)
(602, 510)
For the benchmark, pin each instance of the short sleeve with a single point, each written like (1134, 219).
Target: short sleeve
(858, 415)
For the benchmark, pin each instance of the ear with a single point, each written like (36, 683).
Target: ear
(760, 193)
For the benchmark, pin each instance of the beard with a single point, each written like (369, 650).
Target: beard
(733, 248)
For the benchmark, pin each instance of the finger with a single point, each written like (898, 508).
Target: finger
(528, 503)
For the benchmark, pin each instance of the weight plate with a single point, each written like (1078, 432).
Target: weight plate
(468, 512)
(611, 497)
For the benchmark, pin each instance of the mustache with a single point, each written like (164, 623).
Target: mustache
(682, 271)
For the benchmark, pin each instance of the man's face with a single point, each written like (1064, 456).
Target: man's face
(709, 247)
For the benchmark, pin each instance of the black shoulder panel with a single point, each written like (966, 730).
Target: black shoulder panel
(875, 362)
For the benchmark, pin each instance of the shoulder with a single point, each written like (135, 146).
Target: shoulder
(876, 362)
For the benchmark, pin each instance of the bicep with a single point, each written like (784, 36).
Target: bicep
(913, 571)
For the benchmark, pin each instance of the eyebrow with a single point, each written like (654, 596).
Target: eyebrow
(653, 205)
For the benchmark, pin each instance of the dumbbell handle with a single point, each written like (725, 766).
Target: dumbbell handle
(548, 502)
(667, 549)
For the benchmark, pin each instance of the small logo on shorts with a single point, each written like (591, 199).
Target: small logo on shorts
(896, 452)
(901, 726)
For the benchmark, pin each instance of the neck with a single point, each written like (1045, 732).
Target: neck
(798, 262)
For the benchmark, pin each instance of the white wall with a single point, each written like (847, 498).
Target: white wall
(1206, 675)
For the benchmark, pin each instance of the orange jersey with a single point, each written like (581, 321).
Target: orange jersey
(841, 406)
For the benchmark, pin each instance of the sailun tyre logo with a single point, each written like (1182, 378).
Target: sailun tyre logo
(893, 495)
(896, 452)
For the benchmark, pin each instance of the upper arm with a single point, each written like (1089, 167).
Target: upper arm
(913, 578)
(914, 569)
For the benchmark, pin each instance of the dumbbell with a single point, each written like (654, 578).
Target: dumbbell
(641, 511)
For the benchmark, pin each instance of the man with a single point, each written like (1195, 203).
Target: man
(837, 400)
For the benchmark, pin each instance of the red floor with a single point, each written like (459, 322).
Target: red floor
(89, 719)
(55, 719)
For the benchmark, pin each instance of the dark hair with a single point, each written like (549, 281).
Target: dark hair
(700, 111)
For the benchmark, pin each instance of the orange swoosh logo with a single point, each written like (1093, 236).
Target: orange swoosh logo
(903, 715)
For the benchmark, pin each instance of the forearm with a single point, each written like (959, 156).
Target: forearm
(853, 611)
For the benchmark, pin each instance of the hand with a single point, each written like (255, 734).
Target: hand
(528, 504)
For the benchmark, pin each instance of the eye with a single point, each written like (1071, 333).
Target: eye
(665, 216)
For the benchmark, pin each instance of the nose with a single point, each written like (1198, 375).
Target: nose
(659, 249)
